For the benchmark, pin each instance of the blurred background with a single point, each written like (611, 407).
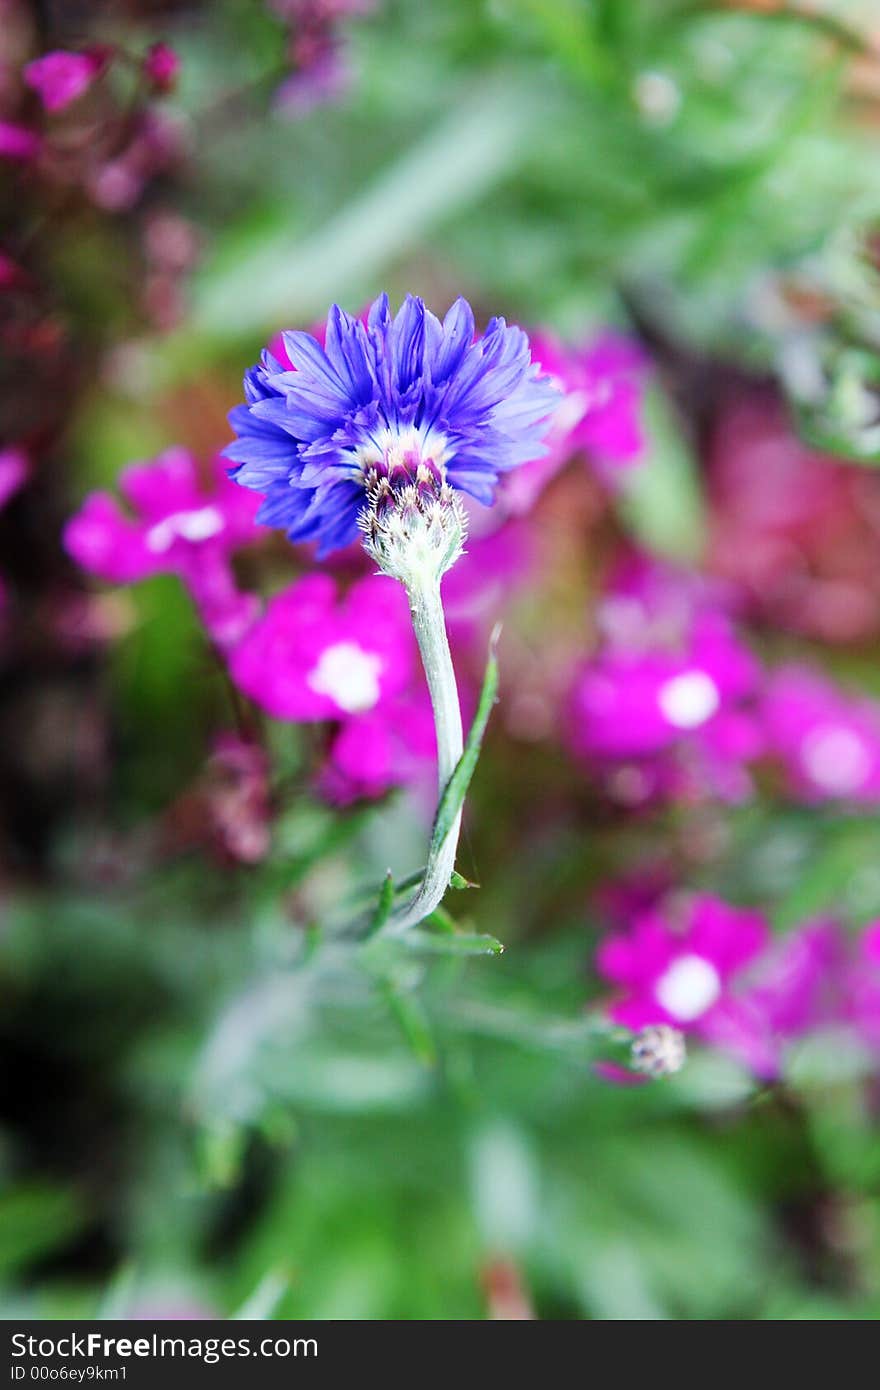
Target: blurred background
(214, 1101)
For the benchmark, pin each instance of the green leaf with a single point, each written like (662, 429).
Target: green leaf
(456, 788)
(413, 1021)
(384, 905)
(460, 882)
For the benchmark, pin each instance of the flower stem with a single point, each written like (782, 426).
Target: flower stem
(429, 625)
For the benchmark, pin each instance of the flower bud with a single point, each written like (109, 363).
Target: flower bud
(658, 1051)
(414, 533)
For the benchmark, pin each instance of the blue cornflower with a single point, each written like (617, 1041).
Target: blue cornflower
(396, 404)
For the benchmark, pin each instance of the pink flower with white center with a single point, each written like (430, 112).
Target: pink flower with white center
(315, 656)
(599, 415)
(718, 974)
(680, 974)
(663, 708)
(827, 740)
(60, 77)
(175, 526)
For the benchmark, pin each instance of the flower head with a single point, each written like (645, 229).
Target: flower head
(662, 708)
(679, 975)
(658, 1051)
(313, 657)
(162, 66)
(60, 77)
(177, 527)
(713, 971)
(401, 407)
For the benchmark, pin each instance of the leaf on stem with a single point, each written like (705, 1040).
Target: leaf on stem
(384, 905)
(456, 788)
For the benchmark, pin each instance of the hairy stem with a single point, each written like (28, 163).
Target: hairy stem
(429, 625)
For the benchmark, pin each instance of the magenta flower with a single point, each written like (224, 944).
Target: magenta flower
(176, 526)
(793, 990)
(394, 745)
(680, 973)
(19, 144)
(162, 66)
(663, 708)
(315, 656)
(717, 973)
(14, 470)
(827, 740)
(60, 77)
(600, 414)
(312, 656)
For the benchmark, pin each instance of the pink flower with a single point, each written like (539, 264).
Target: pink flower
(162, 66)
(793, 989)
(599, 414)
(715, 973)
(177, 527)
(392, 746)
(14, 470)
(19, 144)
(680, 973)
(312, 656)
(60, 77)
(668, 692)
(316, 656)
(827, 740)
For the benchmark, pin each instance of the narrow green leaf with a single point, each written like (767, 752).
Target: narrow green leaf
(459, 881)
(413, 1022)
(384, 905)
(456, 788)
